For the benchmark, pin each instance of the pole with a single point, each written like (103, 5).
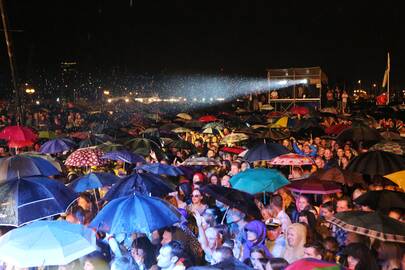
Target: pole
(11, 60)
(388, 86)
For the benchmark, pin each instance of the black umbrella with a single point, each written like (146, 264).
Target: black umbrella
(233, 198)
(377, 163)
(265, 151)
(182, 144)
(359, 134)
(382, 199)
(274, 134)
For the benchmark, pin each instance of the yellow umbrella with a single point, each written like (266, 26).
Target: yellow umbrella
(184, 116)
(398, 178)
(281, 123)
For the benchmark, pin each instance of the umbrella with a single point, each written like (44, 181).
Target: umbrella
(193, 124)
(280, 123)
(397, 148)
(359, 134)
(95, 139)
(214, 125)
(314, 186)
(169, 126)
(274, 134)
(382, 199)
(44, 243)
(18, 136)
(181, 130)
(398, 178)
(23, 166)
(233, 150)
(52, 160)
(233, 198)
(201, 161)
(160, 168)
(31, 198)
(299, 110)
(339, 176)
(46, 134)
(371, 224)
(136, 213)
(265, 151)
(376, 163)
(207, 118)
(93, 181)
(109, 147)
(292, 159)
(144, 147)
(124, 155)
(184, 116)
(57, 146)
(391, 136)
(144, 183)
(266, 107)
(210, 131)
(85, 157)
(182, 144)
(234, 138)
(258, 180)
(336, 129)
(313, 264)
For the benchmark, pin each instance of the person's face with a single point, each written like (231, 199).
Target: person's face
(83, 203)
(340, 153)
(88, 266)
(328, 154)
(326, 213)
(352, 262)
(306, 149)
(166, 237)
(225, 181)
(196, 179)
(234, 169)
(317, 140)
(233, 216)
(210, 154)
(244, 166)
(266, 214)
(214, 180)
(321, 151)
(251, 236)
(302, 203)
(273, 234)
(348, 154)
(319, 163)
(255, 259)
(303, 219)
(292, 237)
(165, 259)
(138, 254)
(309, 252)
(342, 206)
(196, 196)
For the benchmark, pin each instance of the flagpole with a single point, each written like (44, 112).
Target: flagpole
(388, 78)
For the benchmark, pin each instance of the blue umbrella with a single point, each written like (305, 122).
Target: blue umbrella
(93, 181)
(124, 155)
(23, 166)
(136, 213)
(258, 180)
(139, 182)
(159, 168)
(265, 151)
(31, 198)
(57, 146)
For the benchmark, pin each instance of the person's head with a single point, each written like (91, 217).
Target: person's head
(170, 254)
(122, 263)
(286, 143)
(76, 215)
(276, 203)
(198, 177)
(319, 162)
(213, 237)
(308, 218)
(222, 253)
(274, 229)
(210, 153)
(143, 251)
(85, 201)
(340, 153)
(276, 264)
(327, 210)
(359, 257)
(296, 235)
(225, 181)
(95, 261)
(389, 251)
(214, 179)
(328, 154)
(303, 203)
(313, 250)
(343, 204)
(331, 248)
(255, 232)
(348, 152)
(244, 166)
(256, 254)
(196, 197)
(235, 168)
(210, 217)
(352, 237)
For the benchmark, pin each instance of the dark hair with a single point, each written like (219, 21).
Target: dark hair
(259, 250)
(360, 252)
(97, 259)
(318, 247)
(330, 254)
(144, 243)
(310, 217)
(348, 200)
(177, 248)
(329, 205)
(123, 263)
(277, 201)
(278, 263)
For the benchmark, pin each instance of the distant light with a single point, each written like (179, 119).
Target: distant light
(211, 99)
(184, 99)
(127, 100)
(194, 99)
(304, 81)
(203, 99)
(109, 100)
(220, 99)
(106, 92)
(37, 102)
(58, 100)
(359, 81)
(282, 82)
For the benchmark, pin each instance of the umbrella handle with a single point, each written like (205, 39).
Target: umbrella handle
(223, 218)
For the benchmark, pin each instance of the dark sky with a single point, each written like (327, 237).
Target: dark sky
(348, 39)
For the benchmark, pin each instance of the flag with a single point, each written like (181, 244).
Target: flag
(387, 72)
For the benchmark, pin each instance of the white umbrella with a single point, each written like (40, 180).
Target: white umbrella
(43, 243)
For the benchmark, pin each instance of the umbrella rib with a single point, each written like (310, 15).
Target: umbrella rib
(42, 200)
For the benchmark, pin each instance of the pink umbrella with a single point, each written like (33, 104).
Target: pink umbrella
(314, 186)
(86, 157)
(18, 136)
(292, 159)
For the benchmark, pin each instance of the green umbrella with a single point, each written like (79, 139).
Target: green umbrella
(109, 146)
(259, 180)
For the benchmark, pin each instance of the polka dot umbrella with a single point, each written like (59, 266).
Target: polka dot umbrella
(86, 157)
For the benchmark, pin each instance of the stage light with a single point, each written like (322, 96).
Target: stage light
(282, 82)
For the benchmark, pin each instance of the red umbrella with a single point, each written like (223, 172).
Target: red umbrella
(18, 136)
(86, 157)
(312, 264)
(207, 118)
(233, 150)
(336, 129)
(299, 110)
(313, 186)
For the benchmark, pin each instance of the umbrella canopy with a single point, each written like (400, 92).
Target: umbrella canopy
(265, 151)
(299, 110)
(93, 181)
(18, 136)
(382, 199)
(181, 130)
(233, 150)
(397, 148)
(214, 125)
(57, 146)
(136, 213)
(376, 163)
(314, 186)
(339, 176)
(359, 134)
(44, 243)
(391, 136)
(23, 166)
(124, 155)
(292, 159)
(139, 182)
(86, 157)
(52, 160)
(371, 224)
(313, 264)
(159, 168)
(144, 147)
(258, 180)
(95, 139)
(109, 147)
(274, 134)
(280, 123)
(336, 129)
(233, 198)
(182, 144)
(201, 161)
(207, 118)
(184, 116)
(398, 178)
(27, 199)
(234, 138)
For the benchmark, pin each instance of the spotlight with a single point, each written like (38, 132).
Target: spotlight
(282, 82)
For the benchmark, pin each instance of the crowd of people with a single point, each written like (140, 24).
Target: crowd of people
(292, 226)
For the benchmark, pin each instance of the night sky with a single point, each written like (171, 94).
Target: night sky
(348, 39)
